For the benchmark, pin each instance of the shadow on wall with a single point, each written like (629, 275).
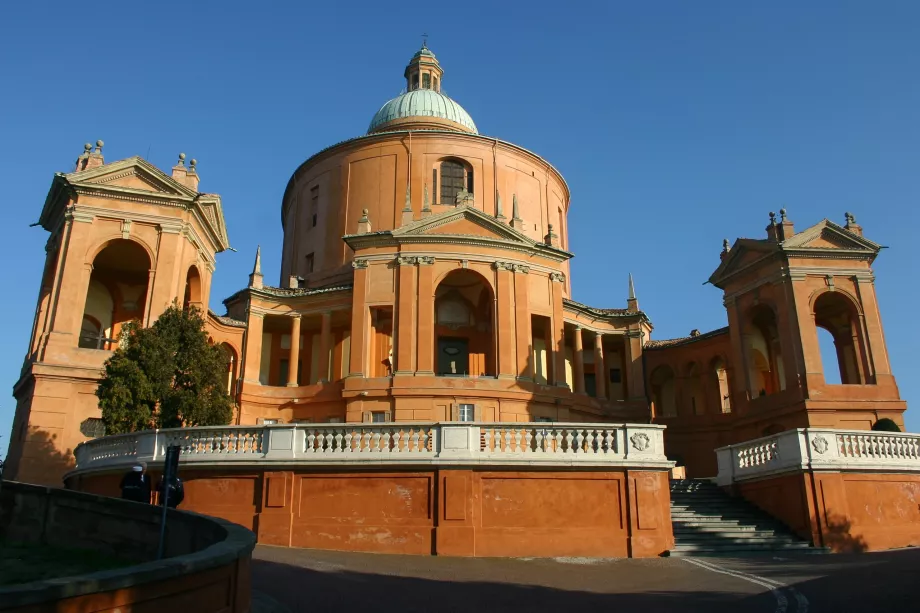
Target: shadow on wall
(40, 461)
(838, 536)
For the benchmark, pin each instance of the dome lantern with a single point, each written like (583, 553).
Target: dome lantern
(422, 106)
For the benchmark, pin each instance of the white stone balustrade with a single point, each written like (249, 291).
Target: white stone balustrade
(819, 449)
(394, 443)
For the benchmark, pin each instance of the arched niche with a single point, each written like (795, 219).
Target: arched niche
(464, 325)
(116, 293)
(192, 295)
(664, 393)
(765, 359)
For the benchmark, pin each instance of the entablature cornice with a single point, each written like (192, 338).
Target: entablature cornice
(422, 258)
(359, 242)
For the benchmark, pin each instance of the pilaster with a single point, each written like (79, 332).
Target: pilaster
(579, 362)
(558, 279)
(505, 318)
(294, 361)
(600, 370)
(405, 314)
(523, 334)
(252, 352)
(425, 329)
(359, 321)
(635, 376)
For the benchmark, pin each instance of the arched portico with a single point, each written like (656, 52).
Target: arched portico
(464, 325)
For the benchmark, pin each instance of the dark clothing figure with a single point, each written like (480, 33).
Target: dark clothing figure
(136, 486)
(176, 492)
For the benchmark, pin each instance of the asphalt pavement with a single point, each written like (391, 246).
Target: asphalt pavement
(311, 580)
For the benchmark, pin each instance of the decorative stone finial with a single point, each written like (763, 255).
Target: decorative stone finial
(772, 218)
(181, 161)
(632, 288)
(694, 332)
(782, 214)
(726, 247)
(499, 214)
(193, 163)
(257, 268)
(408, 207)
(426, 205)
(850, 218)
(364, 224)
(364, 213)
(88, 147)
(99, 145)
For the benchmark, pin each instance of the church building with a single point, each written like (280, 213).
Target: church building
(425, 277)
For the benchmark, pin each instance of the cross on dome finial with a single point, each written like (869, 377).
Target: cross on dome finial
(424, 40)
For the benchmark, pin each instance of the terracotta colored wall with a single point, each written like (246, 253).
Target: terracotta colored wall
(844, 511)
(39, 515)
(447, 512)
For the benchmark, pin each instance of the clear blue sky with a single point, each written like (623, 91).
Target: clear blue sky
(676, 124)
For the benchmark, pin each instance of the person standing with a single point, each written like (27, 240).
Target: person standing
(176, 492)
(135, 485)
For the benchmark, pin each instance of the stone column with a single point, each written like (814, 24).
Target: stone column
(876, 351)
(635, 376)
(252, 352)
(808, 334)
(579, 363)
(740, 357)
(425, 331)
(294, 361)
(72, 279)
(325, 344)
(405, 314)
(600, 376)
(522, 331)
(168, 273)
(558, 334)
(504, 305)
(359, 316)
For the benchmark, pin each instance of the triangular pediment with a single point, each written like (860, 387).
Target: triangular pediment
(133, 175)
(828, 235)
(464, 221)
(744, 253)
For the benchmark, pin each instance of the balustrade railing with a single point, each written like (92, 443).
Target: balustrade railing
(819, 449)
(395, 442)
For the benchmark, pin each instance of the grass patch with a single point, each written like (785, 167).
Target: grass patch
(26, 562)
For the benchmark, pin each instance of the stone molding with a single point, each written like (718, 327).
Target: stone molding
(558, 277)
(361, 263)
(557, 444)
(818, 449)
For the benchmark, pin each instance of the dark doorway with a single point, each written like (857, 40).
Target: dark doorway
(453, 356)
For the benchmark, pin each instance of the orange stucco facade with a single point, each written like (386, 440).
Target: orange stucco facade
(457, 512)
(425, 276)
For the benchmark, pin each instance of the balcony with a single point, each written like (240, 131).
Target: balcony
(390, 444)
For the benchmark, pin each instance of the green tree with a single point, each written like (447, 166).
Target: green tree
(165, 376)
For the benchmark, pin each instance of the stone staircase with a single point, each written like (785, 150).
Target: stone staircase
(709, 522)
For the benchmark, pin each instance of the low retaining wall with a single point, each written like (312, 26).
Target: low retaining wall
(846, 490)
(596, 490)
(205, 568)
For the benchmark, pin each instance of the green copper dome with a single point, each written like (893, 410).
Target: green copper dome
(422, 103)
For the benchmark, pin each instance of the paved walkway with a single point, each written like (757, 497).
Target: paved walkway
(310, 580)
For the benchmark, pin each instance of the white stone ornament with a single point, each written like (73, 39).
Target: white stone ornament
(820, 444)
(639, 441)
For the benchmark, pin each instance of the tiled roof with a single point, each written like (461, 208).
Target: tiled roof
(603, 312)
(227, 321)
(674, 342)
(285, 292)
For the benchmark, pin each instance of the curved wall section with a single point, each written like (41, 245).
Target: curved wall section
(205, 568)
(326, 196)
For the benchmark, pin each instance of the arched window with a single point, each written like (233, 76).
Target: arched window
(464, 335)
(841, 342)
(664, 396)
(192, 296)
(765, 359)
(456, 182)
(720, 384)
(695, 390)
(117, 293)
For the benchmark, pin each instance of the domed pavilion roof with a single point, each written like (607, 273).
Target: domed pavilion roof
(423, 98)
(423, 103)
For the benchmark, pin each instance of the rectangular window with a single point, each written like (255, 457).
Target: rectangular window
(615, 375)
(283, 370)
(590, 384)
(378, 417)
(426, 81)
(436, 84)
(469, 181)
(467, 412)
(309, 263)
(314, 203)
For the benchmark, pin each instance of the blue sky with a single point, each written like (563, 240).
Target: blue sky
(676, 124)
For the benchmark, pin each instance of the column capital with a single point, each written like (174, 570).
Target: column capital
(359, 263)
(294, 314)
(634, 334)
(558, 277)
(509, 266)
(256, 314)
(406, 260)
(521, 268)
(74, 214)
(598, 339)
(425, 260)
